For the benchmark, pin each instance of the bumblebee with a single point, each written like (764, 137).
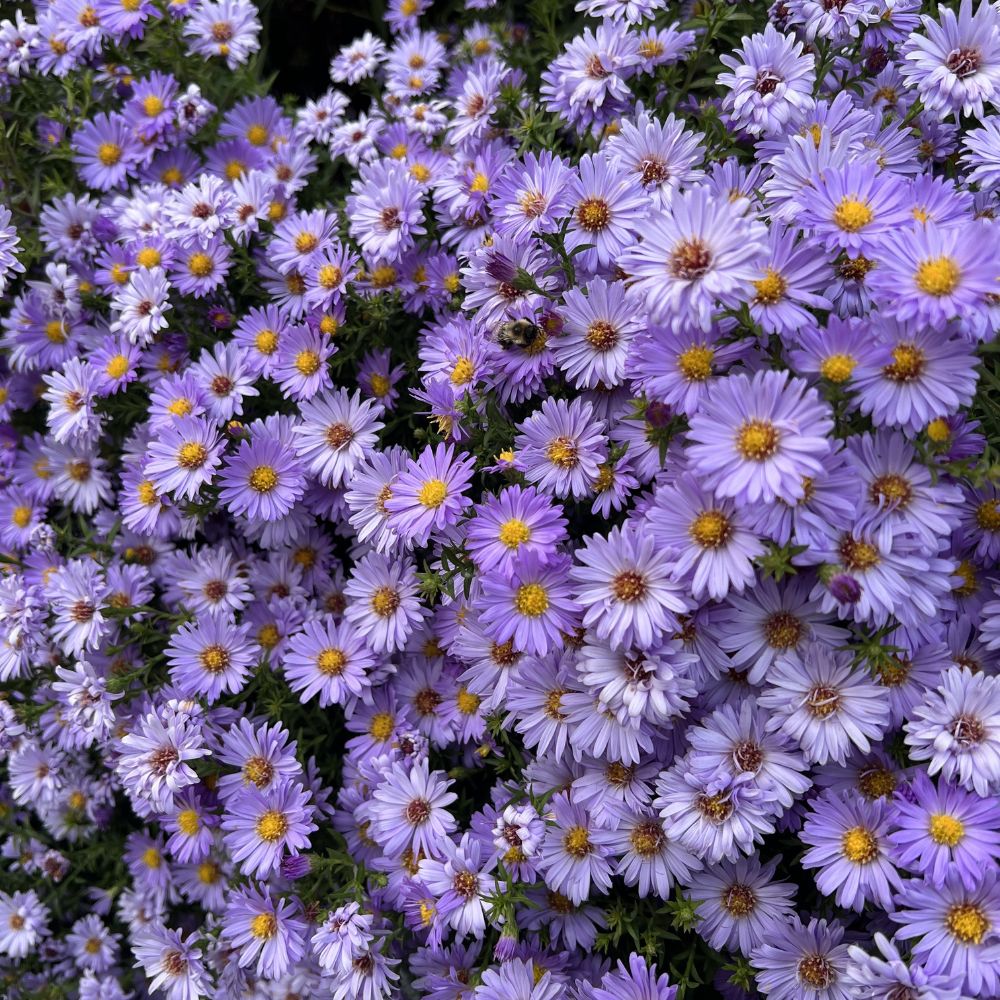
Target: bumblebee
(521, 333)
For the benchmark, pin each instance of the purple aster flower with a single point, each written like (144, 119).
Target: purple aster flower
(711, 549)
(342, 938)
(955, 928)
(461, 883)
(531, 605)
(141, 305)
(738, 902)
(955, 65)
(957, 728)
(935, 273)
(531, 196)
(384, 210)
(260, 827)
(518, 980)
(171, 961)
(758, 440)
(268, 933)
(798, 962)
(226, 28)
(943, 831)
(637, 981)
(409, 810)
(516, 521)
(300, 365)
(823, 704)
(105, 151)
(629, 594)
(892, 975)
(570, 859)
(329, 660)
(262, 481)
(848, 842)
(560, 446)
(183, 457)
(771, 80)
(210, 656)
(792, 276)
(383, 603)
(261, 753)
(428, 495)
(699, 255)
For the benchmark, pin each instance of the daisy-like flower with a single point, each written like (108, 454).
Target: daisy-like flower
(957, 728)
(597, 329)
(429, 494)
(628, 592)
(771, 80)
(799, 962)
(260, 827)
(759, 439)
(23, 923)
(141, 305)
(944, 830)
(262, 481)
(892, 974)
(461, 882)
(530, 606)
(171, 962)
(561, 446)
(848, 842)
(823, 704)
(225, 28)
(637, 981)
(329, 660)
(571, 860)
(105, 151)
(210, 656)
(183, 457)
(955, 928)
(710, 546)
(268, 933)
(409, 810)
(532, 195)
(701, 254)
(383, 603)
(955, 65)
(935, 273)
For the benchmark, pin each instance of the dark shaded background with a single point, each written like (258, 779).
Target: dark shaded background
(302, 36)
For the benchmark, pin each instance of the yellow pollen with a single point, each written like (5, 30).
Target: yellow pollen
(593, 214)
(152, 106)
(77, 800)
(172, 177)
(257, 135)
(151, 858)
(946, 830)
(859, 845)
(55, 331)
(117, 366)
(468, 704)
(907, 363)
(331, 662)
(307, 362)
(514, 533)
(857, 555)
(433, 493)
(852, 215)
(187, 822)
(837, 368)
(146, 492)
(710, 529)
(268, 636)
(562, 451)
(479, 184)
(263, 479)
(109, 153)
(771, 288)
(118, 274)
(577, 842)
(329, 276)
(148, 257)
(398, 151)
(208, 873)
(757, 440)
(200, 265)
(452, 283)
(381, 727)
(463, 372)
(988, 515)
(695, 363)
(306, 242)
(272, 826)
(939, 431)
(938, 276)
(383, 276)
(21, 516)
(192, 455)
(264, 925)
(180, 407)
(531, 600)
(420, 173)
(266, 342)
(408, 8)
(214, 659)
(967, 922)
(385, 601)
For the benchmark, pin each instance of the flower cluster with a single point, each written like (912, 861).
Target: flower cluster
(518, 525)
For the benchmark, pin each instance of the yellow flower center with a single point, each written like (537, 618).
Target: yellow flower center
(257, 135)
(172, 177)
(593, 214)
(264, 925)
(479, 184)
(852, 215)
(695, 363)
(272, 826)
(531, 600)
(214, 659)
(77, 801)
(380, 384)
(148, 257)
(268, 635)
(21, 516)
(192, 455)
(859, 845)
(757, 440)
(331, 662)
(55, 332)
(118, 274)
(838, 368)
(967, 922)
(307, 362)
(329, 276)
(208, 873)
(152, 106)
(306, 242)
(180, 407)
(420, 173)
(433, 493)
(771, 288)
(385, 601)
(562, 451)
(514, 533)
(381, 727)
(463, 371)
(939, 431)
(468, 704)
(857, 555)
(988, 515)
(266, 342)
(907, 363)
(946, 830)
(151, 858)
(146, 492)
(710, 529)
(109, 153)
(200, 265)
(187, 822)
(938, 276)
(117, 366)
(263, 479)
(577, 842)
